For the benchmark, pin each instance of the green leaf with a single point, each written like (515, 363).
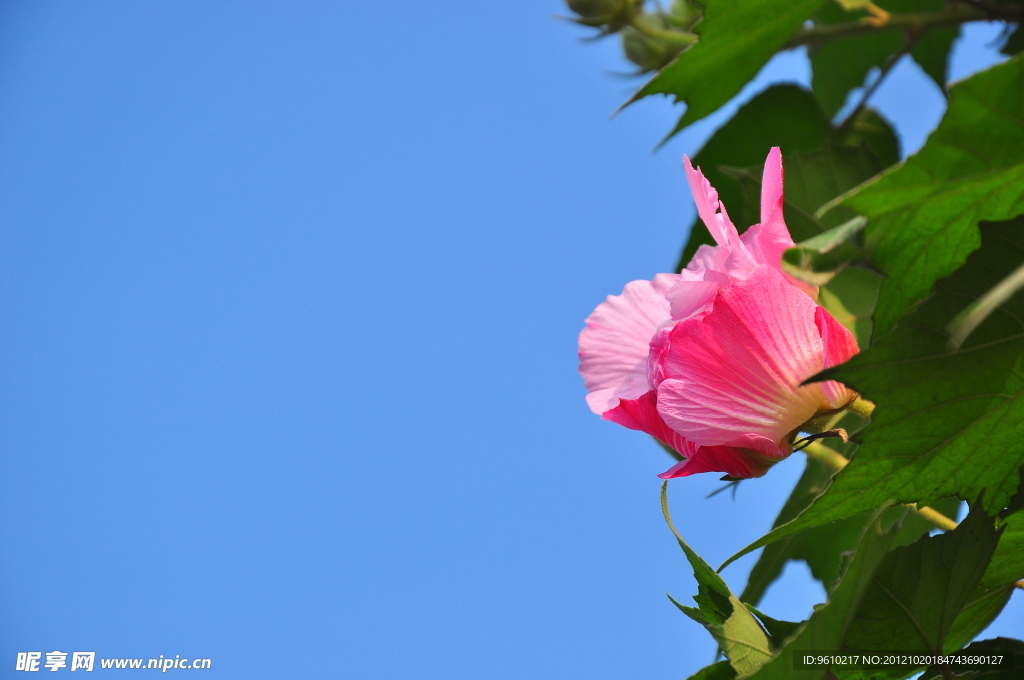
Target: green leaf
(722, 670)
(869, 128)
(828, 624)
(1014, 42)
(737, 38)
(829, 240)
(850, 297)
(1008, 561)
(981, 608)
(739, 635)
(1012, 667)
(923, 216)
(920, 589)
(932, 53)
(822, 548)
(778, 631)
(946, 423)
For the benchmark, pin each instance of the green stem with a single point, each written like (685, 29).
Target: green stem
(909, 21)
(862, 407)
(661, 34)
(830, 458)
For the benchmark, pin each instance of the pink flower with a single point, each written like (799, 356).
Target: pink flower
(710, 361)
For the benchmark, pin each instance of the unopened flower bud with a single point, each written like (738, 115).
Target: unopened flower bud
(684, 14)
(650, 53)
(609, 15)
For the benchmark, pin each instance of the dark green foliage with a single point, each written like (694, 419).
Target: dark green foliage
(920, 589)
(1012, 667)
(923, 217)
(902, 255)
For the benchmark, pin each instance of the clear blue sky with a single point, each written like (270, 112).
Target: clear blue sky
(289, 296)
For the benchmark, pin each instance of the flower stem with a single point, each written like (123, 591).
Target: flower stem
(862, 407)
(662, 34)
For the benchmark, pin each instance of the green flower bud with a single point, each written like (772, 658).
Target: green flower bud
(684, 14)
(648, 52)
(608, 15)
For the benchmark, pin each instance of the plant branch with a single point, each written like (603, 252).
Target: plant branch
(911, 38)
(909, 21)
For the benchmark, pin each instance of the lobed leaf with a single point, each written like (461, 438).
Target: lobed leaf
(921, 589)
(737, 38)
(822, 548)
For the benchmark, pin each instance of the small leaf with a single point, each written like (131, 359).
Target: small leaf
(818, 259)
(831, 239)
(739, 635)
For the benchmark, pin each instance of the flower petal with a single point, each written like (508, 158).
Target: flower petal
(728, 459)
(736, 371)
(615, 344)
(686, 298)
(771, 185)
(709, 208)
(839, 344)
(642, 414)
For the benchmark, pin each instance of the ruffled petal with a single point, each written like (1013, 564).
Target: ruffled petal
(766, 242)
(839, 345)
(709, 208)
(728, 459)
(615, 344)
(736, 371)
(642, 414)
